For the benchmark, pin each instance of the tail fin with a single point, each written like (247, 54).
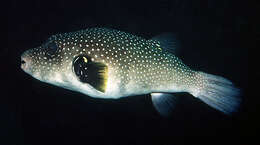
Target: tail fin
(219, 93)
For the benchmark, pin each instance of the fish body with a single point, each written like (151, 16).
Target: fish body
(107, 63)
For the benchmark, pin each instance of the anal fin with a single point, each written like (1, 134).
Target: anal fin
(164, 103)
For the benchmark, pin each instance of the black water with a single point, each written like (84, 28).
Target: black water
(215, 37)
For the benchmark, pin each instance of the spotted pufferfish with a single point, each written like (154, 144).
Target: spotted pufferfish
(107, 63)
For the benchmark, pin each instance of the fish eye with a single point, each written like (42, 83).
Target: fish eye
(52, 48)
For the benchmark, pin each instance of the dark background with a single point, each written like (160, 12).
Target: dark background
(215, 37)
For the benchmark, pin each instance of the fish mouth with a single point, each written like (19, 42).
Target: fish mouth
(25, 62)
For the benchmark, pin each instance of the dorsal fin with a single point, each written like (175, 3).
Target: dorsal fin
(168, 42)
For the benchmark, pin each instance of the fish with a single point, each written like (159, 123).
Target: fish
(111, 64)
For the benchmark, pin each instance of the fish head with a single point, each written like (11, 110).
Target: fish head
(62, 61)
(49, 62)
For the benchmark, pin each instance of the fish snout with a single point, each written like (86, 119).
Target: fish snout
(25, 61)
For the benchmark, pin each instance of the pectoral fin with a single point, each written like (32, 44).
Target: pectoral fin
(93, 73)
